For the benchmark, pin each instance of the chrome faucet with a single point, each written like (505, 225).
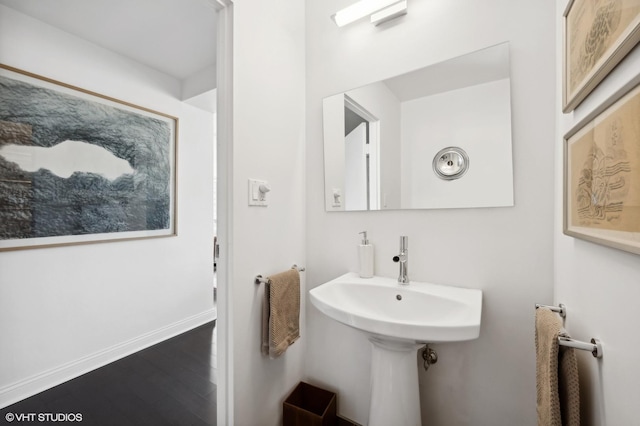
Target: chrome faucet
(403, 260)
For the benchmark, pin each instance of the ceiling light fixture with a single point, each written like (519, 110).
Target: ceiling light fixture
(379, 10)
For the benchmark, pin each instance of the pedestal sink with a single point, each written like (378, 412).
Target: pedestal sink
(398, 320)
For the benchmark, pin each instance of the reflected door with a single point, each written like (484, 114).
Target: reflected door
(355, 180)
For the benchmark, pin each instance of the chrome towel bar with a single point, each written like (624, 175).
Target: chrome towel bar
(560, 309)
(595, 347)
(261, 280)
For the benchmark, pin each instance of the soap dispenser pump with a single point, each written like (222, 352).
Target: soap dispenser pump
(365, 257)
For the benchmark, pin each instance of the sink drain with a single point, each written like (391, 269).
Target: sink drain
(398, 296)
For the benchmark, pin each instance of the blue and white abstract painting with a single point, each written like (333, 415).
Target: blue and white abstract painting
(77, 167)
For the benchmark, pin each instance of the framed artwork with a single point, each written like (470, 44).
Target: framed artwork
(602, 174)
(597, 36)
(80, 167)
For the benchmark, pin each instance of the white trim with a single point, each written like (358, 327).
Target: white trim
(30, 386)
(358, 109)
(374, 165)
(225, 415)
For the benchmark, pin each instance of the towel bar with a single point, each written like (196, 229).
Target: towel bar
(261, 280)
(595, 347)
(560, 309)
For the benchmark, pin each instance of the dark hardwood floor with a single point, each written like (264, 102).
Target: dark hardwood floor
(171, 383)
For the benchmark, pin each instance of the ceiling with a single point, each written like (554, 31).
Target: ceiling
(176, 37)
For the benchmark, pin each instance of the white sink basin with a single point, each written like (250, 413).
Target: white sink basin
(398, 319)
(418, 312)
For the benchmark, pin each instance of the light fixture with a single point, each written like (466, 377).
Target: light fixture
(389, 13)
(379, 10)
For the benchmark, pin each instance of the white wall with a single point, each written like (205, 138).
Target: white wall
(268, 127)
(476, 119)
(599, 285)
(506, 252)
(67, 310)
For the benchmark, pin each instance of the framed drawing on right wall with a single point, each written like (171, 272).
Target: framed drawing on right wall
(602, 174)
(598, 34)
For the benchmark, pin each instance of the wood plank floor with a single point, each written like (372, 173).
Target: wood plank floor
(171, 383)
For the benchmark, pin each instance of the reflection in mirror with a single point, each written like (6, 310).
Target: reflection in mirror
(382, 141)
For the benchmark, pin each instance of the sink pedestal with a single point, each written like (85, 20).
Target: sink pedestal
(395, 397)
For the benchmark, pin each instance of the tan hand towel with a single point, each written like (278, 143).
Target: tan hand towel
(558, 397)
(569, 387)
(281, 312)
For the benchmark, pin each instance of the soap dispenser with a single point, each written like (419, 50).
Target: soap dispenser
(365, 257)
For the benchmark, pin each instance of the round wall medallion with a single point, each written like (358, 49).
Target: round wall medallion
(450, 163)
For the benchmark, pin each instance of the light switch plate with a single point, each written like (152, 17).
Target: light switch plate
(254, 193)
(337, 197)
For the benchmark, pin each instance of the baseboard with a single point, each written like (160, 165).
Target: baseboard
(30, 386)
(343, 421)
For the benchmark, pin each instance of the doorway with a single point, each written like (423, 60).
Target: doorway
(362, 177)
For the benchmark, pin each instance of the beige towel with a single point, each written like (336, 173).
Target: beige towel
(281, 312)
(557, 385)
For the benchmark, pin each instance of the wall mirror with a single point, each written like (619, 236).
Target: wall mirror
(436, 137)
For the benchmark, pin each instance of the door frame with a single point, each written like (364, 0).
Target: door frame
(224, 207)
(374, 150)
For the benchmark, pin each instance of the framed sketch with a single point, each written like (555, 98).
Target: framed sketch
(602, 174)
(79, 167)
(597, 36)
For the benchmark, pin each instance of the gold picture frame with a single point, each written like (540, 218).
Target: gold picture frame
(602, 173)
(598, 34)
(78, 167)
